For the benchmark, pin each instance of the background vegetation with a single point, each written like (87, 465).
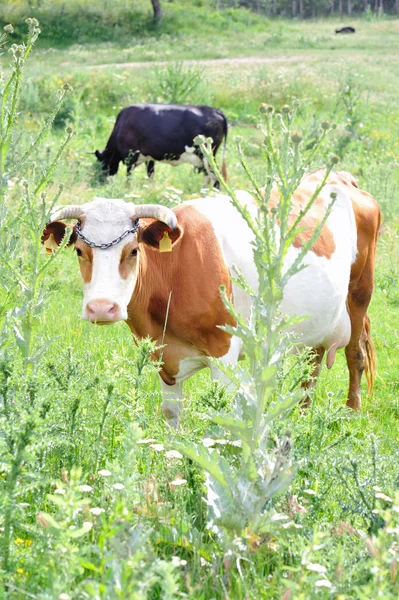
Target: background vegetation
(95, 500)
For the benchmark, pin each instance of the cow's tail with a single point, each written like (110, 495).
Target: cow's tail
(370, 358)
(225, 129)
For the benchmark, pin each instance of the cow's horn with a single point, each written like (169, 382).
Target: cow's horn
(155, 211)
(73, 211)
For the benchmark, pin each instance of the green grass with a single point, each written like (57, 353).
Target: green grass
(88, 375)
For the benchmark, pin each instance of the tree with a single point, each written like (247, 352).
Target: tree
(156, 7)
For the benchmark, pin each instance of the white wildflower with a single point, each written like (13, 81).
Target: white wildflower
(382, 496)
(394, 530)
(316, 568)
(87, 525)
(118, 486)
(323, 583)
(173, 189)
(149, 440)
(104, 473)
(178, 562)
(59, 491)
(64, 596)
(96, 510)
(85, 488)
(374, 570)
(178, 481)
(291, 525)
(173, 454)
(157, 447)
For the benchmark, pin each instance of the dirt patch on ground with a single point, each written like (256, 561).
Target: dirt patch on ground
(206, 62)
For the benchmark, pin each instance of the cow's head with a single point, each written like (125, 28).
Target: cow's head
(107, 238)
(104, 158)
(99, 155)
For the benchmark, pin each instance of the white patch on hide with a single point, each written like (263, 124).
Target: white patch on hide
(321, 288)
(104, 221)
(187, 157)
(318, 291)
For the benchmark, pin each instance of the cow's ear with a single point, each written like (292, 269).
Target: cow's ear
(159, 235)
(54, 234)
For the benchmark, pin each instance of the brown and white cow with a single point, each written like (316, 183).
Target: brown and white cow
(127, 277)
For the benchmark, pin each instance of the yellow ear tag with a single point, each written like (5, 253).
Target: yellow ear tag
(50, 245)
(165, 245)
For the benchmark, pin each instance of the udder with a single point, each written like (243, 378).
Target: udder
(339, 337)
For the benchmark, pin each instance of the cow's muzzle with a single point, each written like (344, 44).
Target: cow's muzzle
(103, 311)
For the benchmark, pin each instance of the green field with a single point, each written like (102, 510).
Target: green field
(78, 401)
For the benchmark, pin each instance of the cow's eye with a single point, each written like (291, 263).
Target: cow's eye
(78, 251)
(134, 252)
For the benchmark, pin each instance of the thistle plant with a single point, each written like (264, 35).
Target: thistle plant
(240, 494)
(22, 265)
(24, 209)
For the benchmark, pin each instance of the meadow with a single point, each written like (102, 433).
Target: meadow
(98, 497)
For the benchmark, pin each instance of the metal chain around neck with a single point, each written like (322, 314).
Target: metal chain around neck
(109, 244)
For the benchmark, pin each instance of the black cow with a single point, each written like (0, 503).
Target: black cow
(345, 30)
(165, 132)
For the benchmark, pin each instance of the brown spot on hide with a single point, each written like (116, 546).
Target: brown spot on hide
(128, 260)
(85, 260)
(324, 244)
(335, 177)
(157, 308)
(193, 272)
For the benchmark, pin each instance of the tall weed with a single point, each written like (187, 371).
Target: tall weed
(240, 493)
(22, 297)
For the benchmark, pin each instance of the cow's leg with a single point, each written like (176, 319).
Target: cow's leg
(171, 402)
(360, 350)
(131, 164)
(311, 382)
(214, 179)
(150, 169)
(130, 160)
(210, 176)
(360, 353)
